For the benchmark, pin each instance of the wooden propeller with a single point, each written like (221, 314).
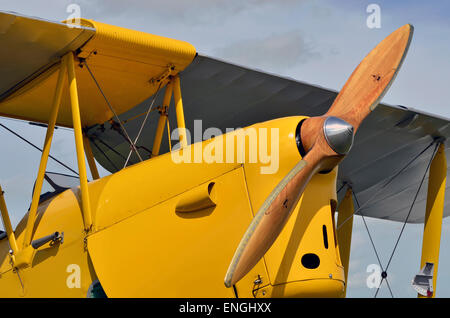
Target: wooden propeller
(326, 140)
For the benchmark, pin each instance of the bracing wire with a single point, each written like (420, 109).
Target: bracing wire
(36, 147)
(143, 123)
(133, 146)
(384, 270)
(387, 183)
(374, 248)
(384, 277)
(412, 206)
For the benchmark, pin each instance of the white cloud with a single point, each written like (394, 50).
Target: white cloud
(274, 52)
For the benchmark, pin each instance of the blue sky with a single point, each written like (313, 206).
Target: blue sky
(319, 42)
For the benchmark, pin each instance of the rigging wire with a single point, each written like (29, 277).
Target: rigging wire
(143, 123)
(387, 183)
(408, 215)
(374, 248)
(104, 154)
(137, 116)
(168, 135)
(384, 271)
(36, 147)
(36, 123)
(415, 198)
(342, 187)
(133, 146)
(110, 148)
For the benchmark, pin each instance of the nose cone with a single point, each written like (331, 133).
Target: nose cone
(339, 134)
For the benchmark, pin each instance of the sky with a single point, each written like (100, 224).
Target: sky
(319, 42)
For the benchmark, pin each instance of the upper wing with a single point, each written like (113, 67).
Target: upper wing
(31, 45)
(226, 95)
(126, 64)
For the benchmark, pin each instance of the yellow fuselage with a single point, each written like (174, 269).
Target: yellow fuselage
(168, 229)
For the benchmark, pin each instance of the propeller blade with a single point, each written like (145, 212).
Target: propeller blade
(366, 86)
(326, 140)
(267, 223)
(274, 213)
(372, 78)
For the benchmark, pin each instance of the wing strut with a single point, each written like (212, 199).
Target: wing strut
(23, 257)
(436, 191)
(68, 59)
(437, 142)
(163, 117)
(345, 211)
(44, 157)
(433, 216)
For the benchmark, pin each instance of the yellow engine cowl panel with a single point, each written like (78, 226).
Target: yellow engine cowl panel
(164, 253)
(139, 187)
(310, 225)
(304, 260)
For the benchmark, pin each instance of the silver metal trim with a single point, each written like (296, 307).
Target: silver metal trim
(338, 134)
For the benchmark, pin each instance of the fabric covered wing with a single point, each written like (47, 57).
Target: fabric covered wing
(30, 45)
(128, 65)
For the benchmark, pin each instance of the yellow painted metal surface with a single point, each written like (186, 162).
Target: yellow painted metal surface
(255, 284)
(344, 230)
(200, 198)
(45, 153)
(90, 158)
(433, 215)
(162, 119)
(142, 247)
(146, 184)
(303, 232)
(314, 288)
(78, 134)
(163, 253)
(53, 271)
(7, 223)
(139, 46)
(30, 45)
(129, 66)
(179, 111)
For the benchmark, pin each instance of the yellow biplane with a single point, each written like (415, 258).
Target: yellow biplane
(260, 211)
